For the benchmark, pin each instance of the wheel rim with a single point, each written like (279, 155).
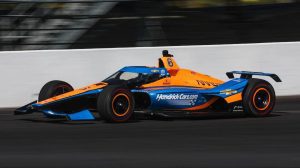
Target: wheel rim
(61, 90)
(261, 99)
(120, 104)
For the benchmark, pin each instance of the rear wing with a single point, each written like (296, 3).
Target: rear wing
(249, 74)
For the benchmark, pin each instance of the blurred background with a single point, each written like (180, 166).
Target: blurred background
(74, 24)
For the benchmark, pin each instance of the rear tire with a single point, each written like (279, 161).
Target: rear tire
(54, 88)
(115, 104)
(258, 98)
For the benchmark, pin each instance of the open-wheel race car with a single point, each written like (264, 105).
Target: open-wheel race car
(166, 90)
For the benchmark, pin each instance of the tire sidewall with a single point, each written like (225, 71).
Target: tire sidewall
(48, 90)
(253, 86)
(105, 100)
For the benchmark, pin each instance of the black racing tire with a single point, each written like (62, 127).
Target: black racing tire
(115, 104)
(258, 98)
(54, 88)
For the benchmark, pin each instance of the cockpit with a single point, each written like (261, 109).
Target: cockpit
(137, 75)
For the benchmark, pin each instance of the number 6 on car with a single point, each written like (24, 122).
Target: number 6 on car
(166, 90)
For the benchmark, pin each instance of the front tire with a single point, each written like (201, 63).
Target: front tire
(54, 88)
(258, 98)
(115, 104)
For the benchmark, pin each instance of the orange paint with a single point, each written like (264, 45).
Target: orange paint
(74, 92)
(234, 98)
(185, 77)
(169, 63)
(178, 77)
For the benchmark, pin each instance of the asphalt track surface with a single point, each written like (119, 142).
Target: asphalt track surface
(227, 141)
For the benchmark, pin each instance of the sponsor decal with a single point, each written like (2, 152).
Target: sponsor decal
(176, 96)
(170, 62)
(166, 81)
(178, 99)
(228, 92)
(203, 83)
(154, 70)
(238, 109)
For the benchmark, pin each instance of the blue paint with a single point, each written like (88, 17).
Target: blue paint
(174, 97)
(147, 70)
(252, 73)
(273, 76)
(81, 115)
(53, 114)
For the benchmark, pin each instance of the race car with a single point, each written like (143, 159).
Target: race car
(166, 90)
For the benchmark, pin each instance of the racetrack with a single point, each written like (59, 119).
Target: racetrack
(227, 141)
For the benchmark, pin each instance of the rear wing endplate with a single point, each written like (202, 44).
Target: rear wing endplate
(249, 74)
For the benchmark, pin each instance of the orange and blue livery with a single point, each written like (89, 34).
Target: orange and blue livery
(166, 90)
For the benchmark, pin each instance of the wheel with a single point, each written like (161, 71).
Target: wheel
(258, 98)
(54, 88)
(115, 104)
